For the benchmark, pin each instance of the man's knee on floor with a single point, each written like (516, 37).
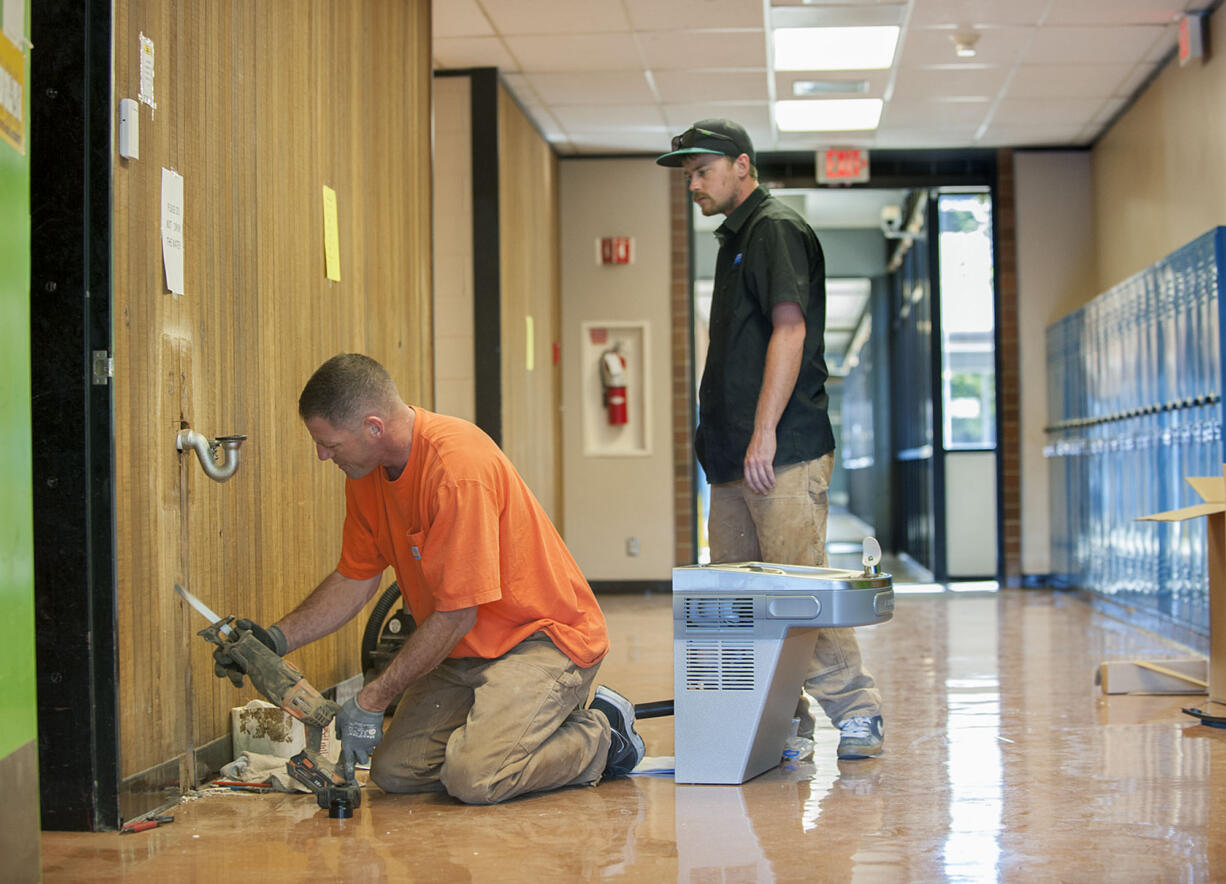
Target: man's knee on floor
(472, 784)
(397, 776)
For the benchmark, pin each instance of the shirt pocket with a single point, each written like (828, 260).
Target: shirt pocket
(415, 547)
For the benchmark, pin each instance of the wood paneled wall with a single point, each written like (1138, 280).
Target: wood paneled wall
(530, 286)
(258, 106)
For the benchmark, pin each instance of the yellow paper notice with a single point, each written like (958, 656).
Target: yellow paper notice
(531, 361)
(332, 243)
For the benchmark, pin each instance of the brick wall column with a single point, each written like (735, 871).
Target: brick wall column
(1008, 447)
(682, 386)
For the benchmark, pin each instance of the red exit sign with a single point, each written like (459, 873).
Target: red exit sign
(842, 165)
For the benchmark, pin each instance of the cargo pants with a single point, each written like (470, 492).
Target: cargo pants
(488, 730)
(788, 526)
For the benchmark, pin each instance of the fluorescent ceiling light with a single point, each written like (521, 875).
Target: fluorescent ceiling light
(838, 115)
(835, 49)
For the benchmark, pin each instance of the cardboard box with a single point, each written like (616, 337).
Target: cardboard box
(1212, 490)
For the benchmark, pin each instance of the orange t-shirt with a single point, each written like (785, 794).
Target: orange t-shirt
(460, 528)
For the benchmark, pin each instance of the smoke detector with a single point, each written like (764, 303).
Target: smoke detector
(964, 43)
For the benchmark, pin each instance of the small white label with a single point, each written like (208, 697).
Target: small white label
(146, 72)
(172, 229)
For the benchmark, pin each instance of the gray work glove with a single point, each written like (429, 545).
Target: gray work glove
(360, 732)
(225, 666)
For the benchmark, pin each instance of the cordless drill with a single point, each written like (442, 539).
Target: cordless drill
(285, 686)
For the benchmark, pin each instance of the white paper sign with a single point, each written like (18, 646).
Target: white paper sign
(172, 229)
(15, 21)
(146, 72)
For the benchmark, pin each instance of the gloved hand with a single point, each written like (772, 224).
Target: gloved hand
(360, 732)
(224, 666)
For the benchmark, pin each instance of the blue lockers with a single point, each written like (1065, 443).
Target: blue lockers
(1134, 379)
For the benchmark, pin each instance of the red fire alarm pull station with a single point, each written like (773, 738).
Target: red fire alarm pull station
(842, 165)
(616, 250)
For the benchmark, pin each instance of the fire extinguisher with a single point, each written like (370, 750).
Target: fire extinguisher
(613, 379)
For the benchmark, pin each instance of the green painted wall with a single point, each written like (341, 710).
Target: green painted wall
(18, 711)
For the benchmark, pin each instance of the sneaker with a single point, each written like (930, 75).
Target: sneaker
(626, 749)
(862, 736)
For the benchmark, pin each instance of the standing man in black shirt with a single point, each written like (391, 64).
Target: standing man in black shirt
(764, 436)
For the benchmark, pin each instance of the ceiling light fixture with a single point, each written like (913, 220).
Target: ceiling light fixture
(964, 43)
(835, 49)
(829, 87)
(832, 115)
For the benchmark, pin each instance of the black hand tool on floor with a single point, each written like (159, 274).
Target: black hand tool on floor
(284, 685)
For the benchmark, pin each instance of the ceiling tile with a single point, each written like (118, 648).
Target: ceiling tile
(472, 52)
(459, 18)
(1091, 45)
(1044, 111)
(953, 82)
(1070, 81)
(1107, 112)
(605, 87)
(1115, 12)
(1164, 46)
(610, 142)
(947, 136)
(678, 86)
(582, 52)
(1135, 80)
(926, 47)
(675, 15)
(755, 117)
(581, 72)
(1032, 136)
(515, 17)
(963, 13)
(576, 118)
(700, 50)
(935, 113)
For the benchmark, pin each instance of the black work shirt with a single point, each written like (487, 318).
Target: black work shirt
(768, 255)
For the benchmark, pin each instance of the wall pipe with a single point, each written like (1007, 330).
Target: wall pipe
(206, 451)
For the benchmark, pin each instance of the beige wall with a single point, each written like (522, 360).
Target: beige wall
(611, 498)
(1055, 246)
(1160, 173)
(454, 377)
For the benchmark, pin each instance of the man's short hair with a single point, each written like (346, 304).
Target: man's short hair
(345, 389)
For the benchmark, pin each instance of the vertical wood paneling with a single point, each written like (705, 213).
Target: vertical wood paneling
(259, 106)
(528, 219)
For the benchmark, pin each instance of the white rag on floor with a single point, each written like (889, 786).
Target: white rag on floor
(252, 767)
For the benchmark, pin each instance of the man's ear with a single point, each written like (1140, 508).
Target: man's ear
(373, 424)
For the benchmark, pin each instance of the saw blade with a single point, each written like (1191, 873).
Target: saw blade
(200, 606)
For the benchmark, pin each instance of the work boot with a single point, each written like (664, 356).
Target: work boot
(862, 736)
(626, 748)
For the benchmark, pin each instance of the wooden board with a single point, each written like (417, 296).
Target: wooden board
(259, 106)
(1153, 677)
(530, 287)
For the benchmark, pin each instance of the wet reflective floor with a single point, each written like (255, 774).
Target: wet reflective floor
(1003, 762)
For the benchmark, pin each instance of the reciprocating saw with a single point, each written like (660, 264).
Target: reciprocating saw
(284, 685)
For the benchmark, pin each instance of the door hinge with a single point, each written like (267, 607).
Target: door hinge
(103, 367)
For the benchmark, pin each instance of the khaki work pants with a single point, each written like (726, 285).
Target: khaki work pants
(488, 730)
(788, 526)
